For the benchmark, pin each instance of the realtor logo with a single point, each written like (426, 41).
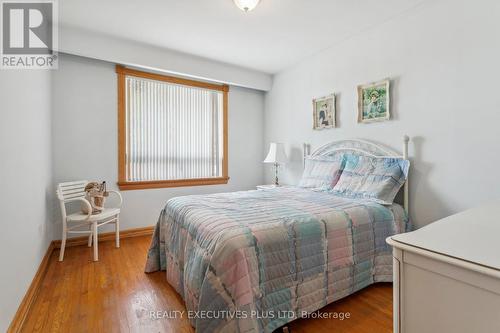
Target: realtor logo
(29, 34)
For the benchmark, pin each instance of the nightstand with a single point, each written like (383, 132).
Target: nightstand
(267, 187)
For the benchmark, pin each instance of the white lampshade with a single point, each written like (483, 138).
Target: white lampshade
(276, 154)
(246, 5)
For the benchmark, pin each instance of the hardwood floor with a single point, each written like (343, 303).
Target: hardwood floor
(115, 295)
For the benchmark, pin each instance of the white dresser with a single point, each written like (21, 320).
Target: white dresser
(447, 274)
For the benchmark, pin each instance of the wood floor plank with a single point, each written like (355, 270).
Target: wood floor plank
(115, 295)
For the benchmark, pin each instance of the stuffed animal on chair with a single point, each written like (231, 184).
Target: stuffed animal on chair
(95, 194)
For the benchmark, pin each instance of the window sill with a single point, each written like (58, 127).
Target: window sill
(126, 186)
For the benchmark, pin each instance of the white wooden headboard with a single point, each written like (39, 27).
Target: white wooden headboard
(363, 147)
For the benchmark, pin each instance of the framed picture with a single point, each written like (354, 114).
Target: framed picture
(324, 112)
(374, 102)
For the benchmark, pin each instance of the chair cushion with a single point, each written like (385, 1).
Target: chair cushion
(105, 214)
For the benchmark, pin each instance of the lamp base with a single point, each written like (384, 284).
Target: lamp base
(276, 181)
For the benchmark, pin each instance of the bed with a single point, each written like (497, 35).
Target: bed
(253, 261)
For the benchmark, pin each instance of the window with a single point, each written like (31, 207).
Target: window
(171, 131)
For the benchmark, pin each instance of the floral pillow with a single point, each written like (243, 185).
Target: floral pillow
(322, 173)
(376, 179)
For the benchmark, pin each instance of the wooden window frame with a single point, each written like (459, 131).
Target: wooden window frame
(123, 184)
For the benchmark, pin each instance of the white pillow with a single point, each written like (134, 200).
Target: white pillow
(322, 173)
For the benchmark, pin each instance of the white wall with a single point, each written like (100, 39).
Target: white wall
(25, 182)
(85, 138)
(126, 52)
(443, 58)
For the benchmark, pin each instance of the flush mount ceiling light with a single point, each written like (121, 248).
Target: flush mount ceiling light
(246, 5)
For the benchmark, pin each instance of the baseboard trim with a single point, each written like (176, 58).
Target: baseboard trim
(30, 296)
(106, 236)
(24, 308)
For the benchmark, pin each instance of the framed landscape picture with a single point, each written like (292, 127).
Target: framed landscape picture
(374, 102)
(324, 112)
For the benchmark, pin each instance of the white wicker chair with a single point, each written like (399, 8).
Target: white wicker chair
(75, 192)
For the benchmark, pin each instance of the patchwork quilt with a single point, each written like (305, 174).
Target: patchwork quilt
(252, 261)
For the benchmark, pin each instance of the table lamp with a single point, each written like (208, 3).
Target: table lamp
(277, 157)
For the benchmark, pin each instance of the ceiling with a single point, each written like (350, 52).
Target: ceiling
(276, 35)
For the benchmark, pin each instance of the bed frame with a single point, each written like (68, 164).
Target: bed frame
(365, 148)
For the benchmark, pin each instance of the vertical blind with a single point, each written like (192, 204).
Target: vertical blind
(173, 131)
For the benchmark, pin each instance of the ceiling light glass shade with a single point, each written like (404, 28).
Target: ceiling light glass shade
(246, 5)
